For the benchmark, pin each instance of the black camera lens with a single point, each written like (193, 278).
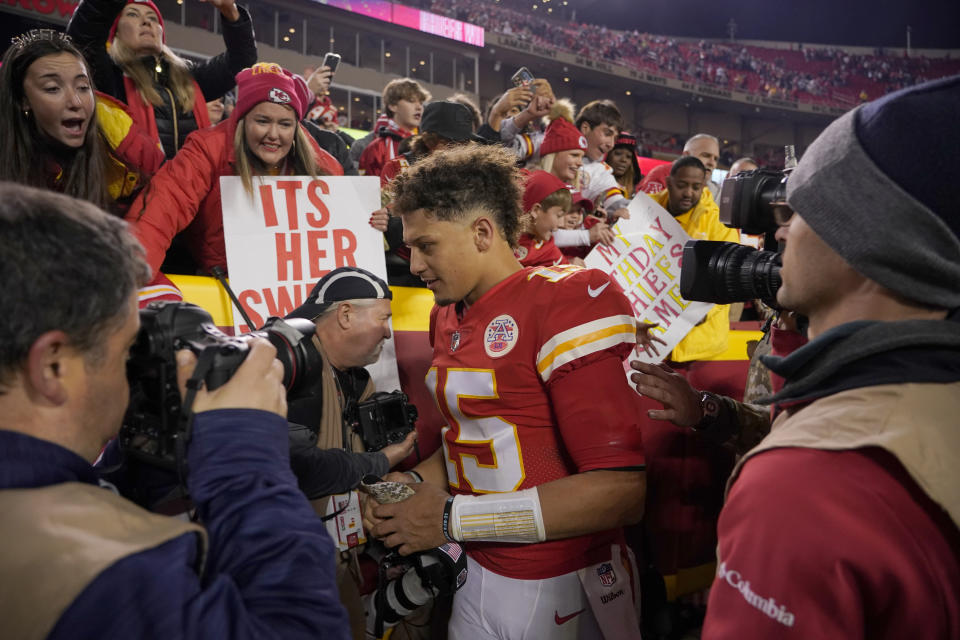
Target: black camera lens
(302, 363)
(725, 272)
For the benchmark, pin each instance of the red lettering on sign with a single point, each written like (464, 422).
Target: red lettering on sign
(282, 304)
(291, 254)
(663, 311)
(659, 227)
(676, 251)
(315, 254)
(640, 257)
(290, 188)
(266, 202)
(654, 282)
(610, 254)
(636, 303)
(322, 216)
(248, 298)
(344, 244)
(66, 8)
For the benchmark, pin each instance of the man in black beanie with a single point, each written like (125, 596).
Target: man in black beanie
(843, 522)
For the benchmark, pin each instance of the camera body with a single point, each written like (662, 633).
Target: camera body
(748, 200)
(154, 430)
(382, 419)
(725, 272)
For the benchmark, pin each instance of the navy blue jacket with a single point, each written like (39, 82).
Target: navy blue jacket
(270, 566)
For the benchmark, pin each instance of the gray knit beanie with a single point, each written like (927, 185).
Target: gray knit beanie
(878, 186)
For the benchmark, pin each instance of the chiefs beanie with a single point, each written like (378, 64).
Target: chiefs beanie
(269, 82)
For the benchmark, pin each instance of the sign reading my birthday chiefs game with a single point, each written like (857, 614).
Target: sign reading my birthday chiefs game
(645, 261)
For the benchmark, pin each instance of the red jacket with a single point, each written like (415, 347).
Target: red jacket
(382, 149)
(833, 544)
(185, 195)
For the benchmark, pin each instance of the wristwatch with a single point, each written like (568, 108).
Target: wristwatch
(710, 407)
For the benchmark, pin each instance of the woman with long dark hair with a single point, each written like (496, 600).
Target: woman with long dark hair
(58, 134)
(262, 137)
(622, 158)
(125, 43)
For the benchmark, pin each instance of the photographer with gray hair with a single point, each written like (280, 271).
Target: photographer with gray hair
(351, 310)
(843, 522)
(79, 561)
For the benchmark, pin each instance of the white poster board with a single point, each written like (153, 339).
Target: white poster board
(291, 233)
(645, 262)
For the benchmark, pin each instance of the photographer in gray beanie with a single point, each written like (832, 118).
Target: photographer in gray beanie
(843, 522)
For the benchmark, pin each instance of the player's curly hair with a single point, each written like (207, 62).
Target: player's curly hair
(449, 183)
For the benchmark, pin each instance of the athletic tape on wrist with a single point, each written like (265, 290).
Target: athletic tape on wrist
(497, 517)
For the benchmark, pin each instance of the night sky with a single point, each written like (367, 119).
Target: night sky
(936, 24)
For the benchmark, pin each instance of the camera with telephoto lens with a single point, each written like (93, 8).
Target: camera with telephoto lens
(725, 272)
(418, 578)
(382, 419)
(155, 427)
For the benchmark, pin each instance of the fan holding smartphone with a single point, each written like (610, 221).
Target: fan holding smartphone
(319, 79)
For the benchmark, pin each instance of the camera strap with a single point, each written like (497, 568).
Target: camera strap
(333, 515)
(204, 364)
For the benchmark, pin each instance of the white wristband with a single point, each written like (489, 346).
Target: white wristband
(498, 517)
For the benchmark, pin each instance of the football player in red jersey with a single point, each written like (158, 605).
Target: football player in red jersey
(541, 463)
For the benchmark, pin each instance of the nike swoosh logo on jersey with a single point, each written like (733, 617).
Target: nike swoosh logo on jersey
(560, 620)
(593, 293)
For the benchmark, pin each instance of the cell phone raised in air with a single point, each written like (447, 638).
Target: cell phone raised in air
(331, 60)
(522, 78)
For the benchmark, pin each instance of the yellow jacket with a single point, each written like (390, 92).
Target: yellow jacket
(133, 157)
(703, 223)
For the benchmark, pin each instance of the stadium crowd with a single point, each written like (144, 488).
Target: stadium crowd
(828, 76)
(562, 498)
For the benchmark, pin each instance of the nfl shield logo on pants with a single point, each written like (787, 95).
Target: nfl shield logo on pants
(606, 574)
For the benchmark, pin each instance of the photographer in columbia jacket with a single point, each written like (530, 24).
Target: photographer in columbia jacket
(79, 561)
(843, 522)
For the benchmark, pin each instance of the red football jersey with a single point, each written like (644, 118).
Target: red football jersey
(538, 253)
(492, 373)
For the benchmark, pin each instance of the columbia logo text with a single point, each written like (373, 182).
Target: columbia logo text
(768, 606)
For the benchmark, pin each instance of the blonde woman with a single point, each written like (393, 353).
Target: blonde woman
(125, 44)
(263, 136)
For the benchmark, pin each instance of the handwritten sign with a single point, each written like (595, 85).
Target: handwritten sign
(645, 261)
(292, 232)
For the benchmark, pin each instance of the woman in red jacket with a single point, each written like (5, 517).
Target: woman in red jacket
(263, 136)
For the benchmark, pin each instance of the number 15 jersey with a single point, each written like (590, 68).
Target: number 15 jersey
(495, 368)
